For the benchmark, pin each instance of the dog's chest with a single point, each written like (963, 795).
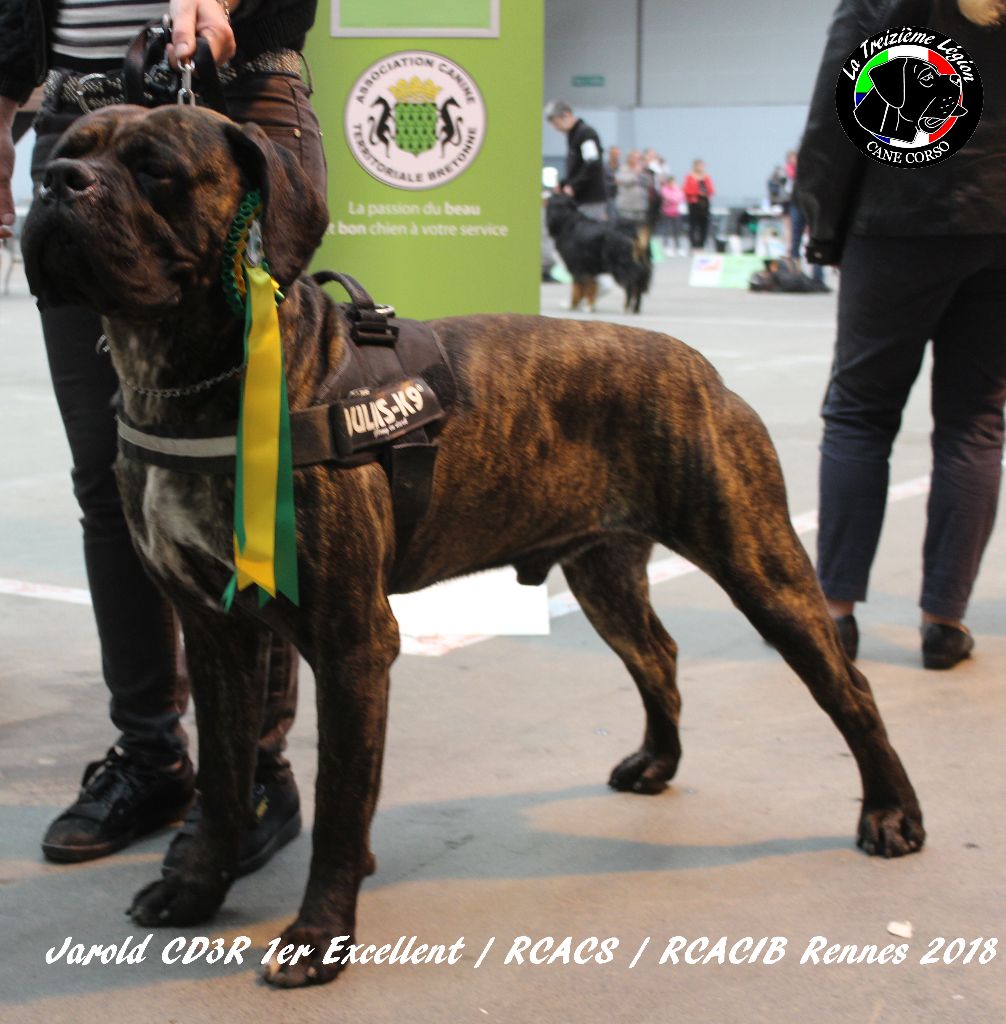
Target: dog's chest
(183, 525)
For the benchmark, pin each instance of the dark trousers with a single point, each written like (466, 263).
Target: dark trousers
(698, 223)
(670, 227)
(896, 294)
(135, 624)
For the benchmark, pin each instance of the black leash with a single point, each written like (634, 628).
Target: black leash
(149, 50)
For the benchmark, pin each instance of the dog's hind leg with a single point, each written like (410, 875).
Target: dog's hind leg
(739, 532)
(609, 580)
(783, 601)
(226, 662)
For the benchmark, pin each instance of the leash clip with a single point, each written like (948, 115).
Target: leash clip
(185, 94)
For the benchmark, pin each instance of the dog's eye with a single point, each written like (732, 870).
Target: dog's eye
(152, 171)
(154, 177)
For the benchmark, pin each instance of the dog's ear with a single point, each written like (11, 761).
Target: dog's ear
(889, 81)
(295, 216)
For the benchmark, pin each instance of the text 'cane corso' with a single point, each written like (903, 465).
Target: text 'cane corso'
(578, 444)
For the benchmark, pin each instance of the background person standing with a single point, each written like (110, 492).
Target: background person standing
(584, 179)
(923, 258)
(698, 189)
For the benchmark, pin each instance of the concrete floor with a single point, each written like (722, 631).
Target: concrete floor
(495, 820)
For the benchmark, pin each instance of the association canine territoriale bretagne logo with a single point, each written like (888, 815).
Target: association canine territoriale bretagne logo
(415, 120)
(909, 97)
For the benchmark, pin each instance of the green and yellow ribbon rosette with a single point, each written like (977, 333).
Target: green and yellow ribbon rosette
(265, 527)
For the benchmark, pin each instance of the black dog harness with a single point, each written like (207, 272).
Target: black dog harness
(387, 402)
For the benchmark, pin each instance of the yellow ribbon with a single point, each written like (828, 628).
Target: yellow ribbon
(254, 554)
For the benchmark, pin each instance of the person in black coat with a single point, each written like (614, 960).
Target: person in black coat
(922, 252)
(584, 179)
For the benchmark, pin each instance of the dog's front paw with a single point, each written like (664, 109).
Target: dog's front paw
(644, 772)
(307, 967)
(173, 900)
(890, 831)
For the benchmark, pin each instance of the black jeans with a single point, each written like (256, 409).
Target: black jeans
(698, 223)
(896, 294)
(136, 631)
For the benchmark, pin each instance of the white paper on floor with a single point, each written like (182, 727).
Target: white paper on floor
(491, 603)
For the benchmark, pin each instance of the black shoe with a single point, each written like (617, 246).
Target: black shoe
(848, 635)
(944, 646)
(120, 800)
(276, 806)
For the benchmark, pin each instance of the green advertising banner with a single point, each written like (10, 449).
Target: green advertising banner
(433, 142)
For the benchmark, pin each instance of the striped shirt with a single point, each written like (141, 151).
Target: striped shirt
(93, 35)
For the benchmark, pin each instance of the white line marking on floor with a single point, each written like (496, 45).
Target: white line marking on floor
(612, 316)
(563, 603)
(44, 592)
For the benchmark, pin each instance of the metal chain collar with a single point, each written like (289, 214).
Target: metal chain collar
(180, 392)
(243, 244)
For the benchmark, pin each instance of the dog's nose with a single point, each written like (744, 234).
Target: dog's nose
(67, 180)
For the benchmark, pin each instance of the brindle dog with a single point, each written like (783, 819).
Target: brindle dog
(571, 443)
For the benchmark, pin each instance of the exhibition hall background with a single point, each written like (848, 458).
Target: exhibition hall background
(723, 80)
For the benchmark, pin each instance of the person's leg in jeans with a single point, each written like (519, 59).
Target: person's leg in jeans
(878, 354)
(969, 389)
(146, 779)
(675, 225)
(693, 226)
(893, 295)
(135, 628)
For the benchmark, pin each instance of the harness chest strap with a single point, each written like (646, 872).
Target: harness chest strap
(385, 416)
(347, 433)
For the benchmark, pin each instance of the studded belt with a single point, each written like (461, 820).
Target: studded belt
(68, 90)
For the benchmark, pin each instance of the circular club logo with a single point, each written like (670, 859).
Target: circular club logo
(909, 97)
(415, 120)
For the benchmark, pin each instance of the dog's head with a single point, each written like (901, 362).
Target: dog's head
(136, 204)
(560, 210)
(920, 93)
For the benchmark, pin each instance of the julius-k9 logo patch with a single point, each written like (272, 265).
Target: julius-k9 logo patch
(373, 416)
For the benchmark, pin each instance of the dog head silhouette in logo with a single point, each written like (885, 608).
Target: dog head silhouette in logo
(909, 96)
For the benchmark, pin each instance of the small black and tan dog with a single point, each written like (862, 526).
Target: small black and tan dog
(590, 247)
(571, 443)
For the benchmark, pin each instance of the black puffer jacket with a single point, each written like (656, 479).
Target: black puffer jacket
(25, 27)
(842, 192)
(584, 168)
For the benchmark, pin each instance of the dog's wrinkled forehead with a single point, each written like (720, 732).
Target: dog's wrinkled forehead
(126, 132)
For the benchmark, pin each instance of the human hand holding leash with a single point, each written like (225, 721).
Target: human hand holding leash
(8, 108)
(207, 18)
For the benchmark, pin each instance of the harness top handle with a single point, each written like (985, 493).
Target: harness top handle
(369, 323)
(148, 49)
